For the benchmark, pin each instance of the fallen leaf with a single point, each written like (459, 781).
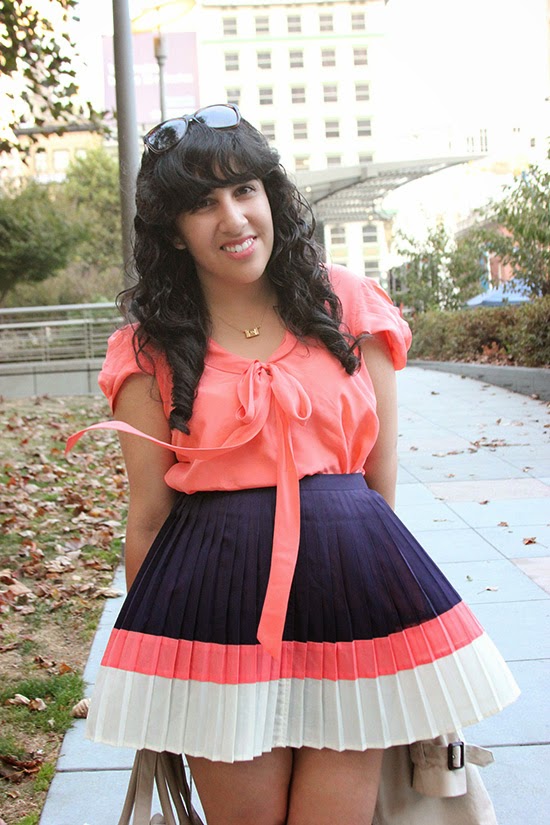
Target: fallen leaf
(492, 588)
(64, 668)
(37, 704)
(530, 540)
(502, 524)
(18, 699)
(486, 501)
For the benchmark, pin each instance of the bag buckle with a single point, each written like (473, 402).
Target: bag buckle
(455, 756)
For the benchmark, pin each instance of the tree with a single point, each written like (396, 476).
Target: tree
(439, 273)
(524, 213)
(35, 239)
(91, 194)
(36, 52)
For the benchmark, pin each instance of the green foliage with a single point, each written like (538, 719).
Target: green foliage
(524, 213)
(439, 273)
(30, 819)
(59, 692)
(91, 193)
(519, 335)
(36, 55)
(44, 777)
(35, 238)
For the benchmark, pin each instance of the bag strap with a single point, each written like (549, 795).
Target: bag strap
(167, 771)
(445, 756)
(139, 795)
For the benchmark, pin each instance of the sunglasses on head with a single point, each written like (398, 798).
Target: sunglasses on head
(166, 135)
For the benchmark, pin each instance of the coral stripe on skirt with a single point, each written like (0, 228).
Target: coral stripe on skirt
(378, 648)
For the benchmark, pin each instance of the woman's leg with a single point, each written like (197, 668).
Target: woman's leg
(244, 793)
(330, 787)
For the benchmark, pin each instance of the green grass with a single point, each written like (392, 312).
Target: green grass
(44, 777)
(59, 692)
(31, 819)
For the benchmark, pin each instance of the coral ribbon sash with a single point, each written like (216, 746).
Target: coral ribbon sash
(261, 388)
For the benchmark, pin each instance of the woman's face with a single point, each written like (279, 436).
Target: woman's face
(229, 235)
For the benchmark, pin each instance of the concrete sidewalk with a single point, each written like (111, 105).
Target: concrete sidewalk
(474, 487)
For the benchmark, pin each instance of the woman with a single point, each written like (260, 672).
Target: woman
(282, 627)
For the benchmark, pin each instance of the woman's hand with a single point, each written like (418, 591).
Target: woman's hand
(381, 464)
(138, 403)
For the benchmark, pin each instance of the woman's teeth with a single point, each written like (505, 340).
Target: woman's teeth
(239, 247)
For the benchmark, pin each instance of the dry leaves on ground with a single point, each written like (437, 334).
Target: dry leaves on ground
(61, 525)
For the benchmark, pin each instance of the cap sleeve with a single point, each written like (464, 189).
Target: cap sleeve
(368, 308)
(120, 363)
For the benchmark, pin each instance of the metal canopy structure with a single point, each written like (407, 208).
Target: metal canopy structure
(352, 194)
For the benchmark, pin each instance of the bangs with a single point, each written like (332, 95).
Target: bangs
(208, 159)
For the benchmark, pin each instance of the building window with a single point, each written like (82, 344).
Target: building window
(332, 128)
(360, 56)
(268, 130)
(337, 235)
(296, 57)
(229, 26)
(330, 94)
(231, 61)
(326, 23)
(298, 94)
(61, 160)
(233, 96)
(483, 141)
(334, 160)
(372, 269)
(266, 96)
(262, 25)
(364, 127)
(294, 24)
(299, 130)
(41, 161)
(365, 158)
(362, 91)
(328, 57)
(358, 21)
(470, 144)
(264, 60)
(370, 233)
(80, 154)
(301, 163)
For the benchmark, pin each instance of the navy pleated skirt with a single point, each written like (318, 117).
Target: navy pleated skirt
(378, 648)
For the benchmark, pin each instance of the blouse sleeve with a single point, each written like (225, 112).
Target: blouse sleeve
(120, 362)
(368, 308)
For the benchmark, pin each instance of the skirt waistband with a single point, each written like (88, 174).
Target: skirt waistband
(333, 481)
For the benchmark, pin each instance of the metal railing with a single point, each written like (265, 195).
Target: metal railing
(55, 333)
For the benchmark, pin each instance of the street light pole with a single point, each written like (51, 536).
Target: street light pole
(161, 55)
(128, 150)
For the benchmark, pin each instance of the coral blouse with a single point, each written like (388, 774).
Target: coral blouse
(263, 424)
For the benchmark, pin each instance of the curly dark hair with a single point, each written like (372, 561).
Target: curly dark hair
(167, 301)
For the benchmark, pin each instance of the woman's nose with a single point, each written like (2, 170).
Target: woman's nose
(231, 216)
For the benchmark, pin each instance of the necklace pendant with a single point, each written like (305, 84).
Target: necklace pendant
(253, 332)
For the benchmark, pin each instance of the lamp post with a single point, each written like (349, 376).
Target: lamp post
(128, 151)
(156, 17)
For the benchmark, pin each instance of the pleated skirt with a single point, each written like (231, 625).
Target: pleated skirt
(378, 648)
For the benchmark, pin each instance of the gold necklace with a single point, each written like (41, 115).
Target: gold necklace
(250, 332)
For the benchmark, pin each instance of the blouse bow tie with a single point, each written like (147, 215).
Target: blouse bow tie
(262, 388)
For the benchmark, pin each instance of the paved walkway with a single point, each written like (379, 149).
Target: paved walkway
(474, 486)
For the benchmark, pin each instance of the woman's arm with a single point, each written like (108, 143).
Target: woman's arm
(381, 464)
(138, 403)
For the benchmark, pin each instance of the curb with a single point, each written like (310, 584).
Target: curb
(531, 381)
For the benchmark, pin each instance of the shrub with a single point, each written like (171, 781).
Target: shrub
(519, 335)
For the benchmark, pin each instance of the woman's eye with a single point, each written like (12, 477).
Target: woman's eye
(246, 189)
